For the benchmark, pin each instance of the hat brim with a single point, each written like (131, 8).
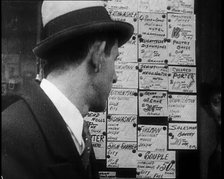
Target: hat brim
(122, 30)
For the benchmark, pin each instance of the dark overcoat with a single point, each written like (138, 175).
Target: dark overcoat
(36, 143)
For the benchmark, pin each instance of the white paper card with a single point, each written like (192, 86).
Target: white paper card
(128, 5)
(152, 25)
(181, 26)
(97, 130)
(153, 103)
(121, 128)
(122, 101)
(182, 79)
(156, 164)
(127, 75)
(181, 52)
(152, 138)
(128, 51)
(121, 154)
(153, 51)
(182, 136)
(180, 6)
(182, 107)
(107, 174)
(158, 6)
(153, 77)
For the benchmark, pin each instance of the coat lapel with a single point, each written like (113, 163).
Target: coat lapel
(53, 127)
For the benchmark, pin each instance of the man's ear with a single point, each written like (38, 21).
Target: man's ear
(97, 56)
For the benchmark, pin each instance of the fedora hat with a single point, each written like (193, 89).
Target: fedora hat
(66, 20)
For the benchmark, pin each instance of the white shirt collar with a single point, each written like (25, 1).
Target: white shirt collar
(68, 111)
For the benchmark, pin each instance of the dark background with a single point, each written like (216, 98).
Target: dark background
(20, 31)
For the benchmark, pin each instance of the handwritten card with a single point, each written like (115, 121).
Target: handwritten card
(128, 5)
(121, 128)
(182, 79)
(156, 164)
(182, 107)
(182, 136)
(181, 52)
(181, 26)
(158, 6)
(128, 51)
(127, 75)
(121, 154)
(153, 77)
(180, 6)
(122, 101)
(152, 138)
(107, 174)
(153, 51)
(97, 128)
(152, 25)
(153, 103)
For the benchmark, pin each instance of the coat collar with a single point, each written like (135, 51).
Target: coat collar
(52, 125)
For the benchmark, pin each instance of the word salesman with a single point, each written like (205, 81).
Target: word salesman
(43, 132)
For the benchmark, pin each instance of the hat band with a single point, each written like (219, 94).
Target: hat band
(75, 18)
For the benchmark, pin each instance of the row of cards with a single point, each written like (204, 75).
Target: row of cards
(155, 77)
(162, 6)
(152, 104)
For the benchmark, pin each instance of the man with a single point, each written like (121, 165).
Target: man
(43, 133)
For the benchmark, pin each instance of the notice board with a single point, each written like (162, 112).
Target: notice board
(151, 113)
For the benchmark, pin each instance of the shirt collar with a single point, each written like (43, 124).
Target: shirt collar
(68, 110)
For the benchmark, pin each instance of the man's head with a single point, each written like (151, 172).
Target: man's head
(80, 48)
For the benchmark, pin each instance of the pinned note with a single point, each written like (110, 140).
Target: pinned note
(153, 51)
(128, 51)
(122, 101)
(153, 77)
(182, 107)
(180, 6)
(181, 52)
(153, 103)
(97, 128)
(107, 174)
(121, 128)
(152, 138)
(182, 136)
(127, 5)
(121, 154)
(156, 164)
(181, 26)
(127, 75)
(156, 6)
(182, 79)
(152, 25)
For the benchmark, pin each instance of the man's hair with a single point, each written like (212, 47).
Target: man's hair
(75, 50)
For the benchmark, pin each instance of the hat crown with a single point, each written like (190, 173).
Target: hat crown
(53, 9)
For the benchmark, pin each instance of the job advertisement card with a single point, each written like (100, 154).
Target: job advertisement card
(181, 26)
(107, 174)
(97, 128)
(181, 52)
(180, 6)
(121, 128)
(153, 103)
(127, 75)
(152, 25)
(121, 154)
(182, 79)
(153, 51)
(156, 164)
(182, 107)
(182, 136)
(127, 5)
(156, 6)
(128, 51)
(152, 137)
(122, 101)
(153, 77)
